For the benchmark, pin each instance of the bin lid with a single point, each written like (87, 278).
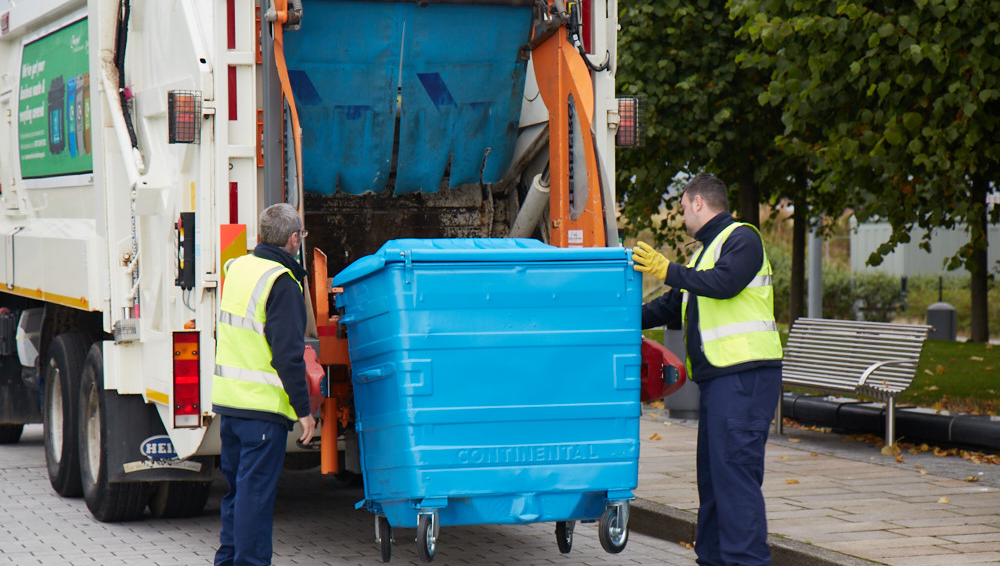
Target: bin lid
(453, 250)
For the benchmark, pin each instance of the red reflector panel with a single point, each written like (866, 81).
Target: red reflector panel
(232, 93)
(187, 381)
(234, 202)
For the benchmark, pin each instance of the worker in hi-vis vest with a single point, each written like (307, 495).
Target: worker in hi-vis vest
(259, 387)
(724, 300)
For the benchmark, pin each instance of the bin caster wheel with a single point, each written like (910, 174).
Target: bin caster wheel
(426, 536)
(613, 529)
(383, 535)
(564, 535)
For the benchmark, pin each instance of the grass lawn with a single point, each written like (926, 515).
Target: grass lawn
(957, 376)
(954, 376)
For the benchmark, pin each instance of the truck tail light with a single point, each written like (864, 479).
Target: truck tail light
(632, 122)
(187, 381)
(184, 116)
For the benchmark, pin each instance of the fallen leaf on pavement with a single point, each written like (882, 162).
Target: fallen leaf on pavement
(655, 404)
(944, 500)
(785, 457)
(795, 440)
(791, 482)
(656, 437)
(899, 459)
(891, 450)
(971, 479)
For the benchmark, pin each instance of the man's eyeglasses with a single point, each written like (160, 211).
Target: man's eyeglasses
(303, 233)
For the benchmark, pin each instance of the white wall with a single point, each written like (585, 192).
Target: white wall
(910, 259)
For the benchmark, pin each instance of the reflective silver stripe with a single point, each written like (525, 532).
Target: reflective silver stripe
(241, 322)
(248, 322)
(760, 281)
(258, 290)
(718, 245)
(253, 376)
(735, 328)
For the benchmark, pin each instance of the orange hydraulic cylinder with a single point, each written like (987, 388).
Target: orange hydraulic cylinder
(328, 437)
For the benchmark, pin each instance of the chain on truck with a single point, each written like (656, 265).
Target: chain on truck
(142, 139)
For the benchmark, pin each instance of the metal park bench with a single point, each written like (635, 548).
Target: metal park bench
(875, 359)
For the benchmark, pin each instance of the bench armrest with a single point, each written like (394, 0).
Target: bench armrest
(871, 369)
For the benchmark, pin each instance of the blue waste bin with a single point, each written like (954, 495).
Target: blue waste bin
(495, 381)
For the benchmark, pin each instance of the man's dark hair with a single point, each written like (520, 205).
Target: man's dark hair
(710, 189)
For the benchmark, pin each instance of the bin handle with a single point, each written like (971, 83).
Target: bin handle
(375, 374)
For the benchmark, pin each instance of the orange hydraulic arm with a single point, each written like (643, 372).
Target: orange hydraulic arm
(336, 407)
(576, 203)
(281, 17)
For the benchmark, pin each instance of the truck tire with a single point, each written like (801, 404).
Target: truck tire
(10, 433)
(179, 499)
(108, 502)
(63, 364)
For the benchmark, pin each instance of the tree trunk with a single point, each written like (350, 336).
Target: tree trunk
(978, 267)
(749, 199)
(797, 286)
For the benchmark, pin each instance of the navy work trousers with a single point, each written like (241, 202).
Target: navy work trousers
(735, 413)
(253, 454)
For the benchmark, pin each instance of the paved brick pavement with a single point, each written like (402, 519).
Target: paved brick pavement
(844, 499)
(315, 524)
(846, 496)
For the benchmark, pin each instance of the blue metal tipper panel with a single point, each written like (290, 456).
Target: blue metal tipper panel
(495, 380)
(343, 65)
(458, 78)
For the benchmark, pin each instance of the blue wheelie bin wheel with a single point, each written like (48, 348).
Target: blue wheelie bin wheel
(613, 529)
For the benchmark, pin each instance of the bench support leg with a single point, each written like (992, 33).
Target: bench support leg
(779, 427)
(890, 422)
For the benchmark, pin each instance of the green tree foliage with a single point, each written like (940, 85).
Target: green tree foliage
(702, 109)
(897, 105)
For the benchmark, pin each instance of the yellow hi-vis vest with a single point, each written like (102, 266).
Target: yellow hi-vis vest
(742, 328)
(244, 377)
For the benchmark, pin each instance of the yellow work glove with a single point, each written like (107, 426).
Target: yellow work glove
(648, 260)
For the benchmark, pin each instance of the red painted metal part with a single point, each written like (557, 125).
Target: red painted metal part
(661, 373)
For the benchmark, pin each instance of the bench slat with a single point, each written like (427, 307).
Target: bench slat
(851, 365)
(870, 346)
(856, 324)
(903, 344)
(805, 374)
(846, 363)
(807, 378)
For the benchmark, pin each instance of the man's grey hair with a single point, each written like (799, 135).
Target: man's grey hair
(278, 222)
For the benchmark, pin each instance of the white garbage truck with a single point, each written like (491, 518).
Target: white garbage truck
(141, 139)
